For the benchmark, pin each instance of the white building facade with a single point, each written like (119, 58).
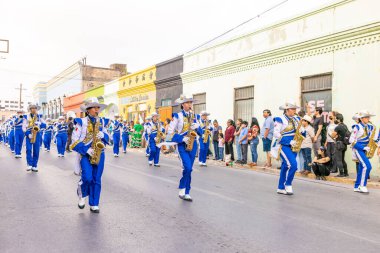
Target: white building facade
(329, 57)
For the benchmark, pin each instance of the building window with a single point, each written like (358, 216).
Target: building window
(166, 102)
(244, 103)
(200, 102)
(316, 92)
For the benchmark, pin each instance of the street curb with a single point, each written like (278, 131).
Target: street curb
(349, 181)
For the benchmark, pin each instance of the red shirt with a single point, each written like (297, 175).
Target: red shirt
(229, 133)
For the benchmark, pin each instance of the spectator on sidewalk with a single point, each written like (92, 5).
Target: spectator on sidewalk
(339, 135)
(229, 138)
(253, 139)
(321, 164)
(330, 142)
(300, 160)
(307, 144)
(221, 143)
(317, 125)
(267, 135)
(238, 146)
(215, 138)
(243, 142)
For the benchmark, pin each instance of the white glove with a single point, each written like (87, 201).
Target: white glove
(186, 139)
(194, 126)
(155, 139)
(292, 143)
(90, 152)
(30, 136)
(366, 149)
(100, 135)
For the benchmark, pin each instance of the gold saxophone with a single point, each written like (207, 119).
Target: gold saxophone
(97, 144)
(160, 135)
(191, 134)
(298, 138)
(35, 129)
(372, 144)
(207, 133)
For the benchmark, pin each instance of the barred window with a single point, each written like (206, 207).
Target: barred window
(166, 102)
(316, 91)
(244, 103)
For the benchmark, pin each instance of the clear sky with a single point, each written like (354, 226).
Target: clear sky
(47, 36)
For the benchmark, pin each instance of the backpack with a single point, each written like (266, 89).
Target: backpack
(346, 138)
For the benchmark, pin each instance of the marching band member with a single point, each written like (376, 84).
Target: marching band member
(89, 139)
(285, 128)
(204, 141)
(61, 136)
(116, 135)
(154, 128)
(31, 125)
(48, 135)
(12, 133)
(178, 134)
(19, 133)
(146, 136)
(362, 134)
(125, 136)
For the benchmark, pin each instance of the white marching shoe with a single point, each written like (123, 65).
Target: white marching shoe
(150, 163)
(34, 169)
(29, 168)
(356, 190)
(363, 189)
(81, 202)
(289, 189)
(94, 209)
(182, 193)
(282, 191)
(188, 198)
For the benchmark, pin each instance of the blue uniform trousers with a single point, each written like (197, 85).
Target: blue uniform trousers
(61, 142)
(288, 167)
(12, 140)
(364, 168)
(47, 140)
(91, 183)
(116, 142)
(33, 151)
(203, 150)
(187, 159)
(19, 139)
(154, 152)
(125, 139)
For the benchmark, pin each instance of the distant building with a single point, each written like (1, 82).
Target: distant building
(77, 78)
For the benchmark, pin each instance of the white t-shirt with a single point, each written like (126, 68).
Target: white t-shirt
(330, 129)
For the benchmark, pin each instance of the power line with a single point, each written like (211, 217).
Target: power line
(241, 24)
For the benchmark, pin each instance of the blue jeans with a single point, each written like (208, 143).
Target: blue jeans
(306, 154)
(216, 150)
(238, 150)
(221, 153)
(253, 145)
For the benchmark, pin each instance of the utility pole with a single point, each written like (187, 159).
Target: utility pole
(21, 89)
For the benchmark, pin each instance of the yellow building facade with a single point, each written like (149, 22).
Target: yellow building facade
(137, 94)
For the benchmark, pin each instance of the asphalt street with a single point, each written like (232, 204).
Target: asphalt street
(233, 210)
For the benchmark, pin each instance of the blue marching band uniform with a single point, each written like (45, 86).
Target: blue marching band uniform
(48, 133)
(204, 141)
(146, 136)
(86, 131)
(285, 128)
(125, 136)
(152, 129)
(19, 135)
(182, 123)
(33, 138)
(116, 136)
(61, 136)
(361, 135)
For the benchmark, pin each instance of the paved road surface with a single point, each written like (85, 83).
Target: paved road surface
(233, 211)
